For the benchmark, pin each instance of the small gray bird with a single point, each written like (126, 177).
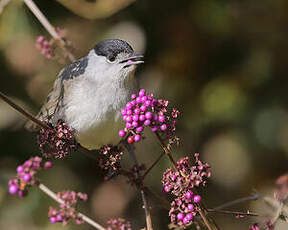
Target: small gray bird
(89, 93)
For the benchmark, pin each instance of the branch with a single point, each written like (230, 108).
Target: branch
(248, 213)
(255, 196)
(144, 200)
(41, 124)
(53, 195)
(152, 166)
(47, 25)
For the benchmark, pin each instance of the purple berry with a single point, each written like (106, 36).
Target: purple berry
(123, 112)
(196, 198)
(180, 216)
(138, 100)
(166, 188)
(147, 103)
(26, 177)
(128, 125)
(148, 115)
(129, 119)
(143, 108)
(139, 129)
(59, 218)
(155, 117)
(154, 128)
(137, 138)
(125, 117)
(134, 124)
(135, 118)
(133, 96)
(142, 92)
(142, 117)
(137, 111)
(190, 207)
(48, 164)
(185, 220)
(189, 194)
(147, 122)
(163, 127)
(161, 118)
(143, 99)
(189, 216)
(13, 188)
(128, 112)
(128, 105)
(133, 103)
(121, 133)
(52, 220)
(20, 169)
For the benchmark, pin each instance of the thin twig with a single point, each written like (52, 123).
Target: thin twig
(152, 166)
(29, 116)
(47, 25)
(254, 196)
(144, 200)
(248, 213)
(53, 195)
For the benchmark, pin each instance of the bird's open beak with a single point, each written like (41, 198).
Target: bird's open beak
(133, 60)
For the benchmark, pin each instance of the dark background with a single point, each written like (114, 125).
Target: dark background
(222, 63)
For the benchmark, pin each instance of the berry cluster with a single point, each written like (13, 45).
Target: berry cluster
(118, 224)
(44, 46)
(57, 141)
(145, 111)
(67, 209)
(181, 183)
(26, 175)
(110, 157)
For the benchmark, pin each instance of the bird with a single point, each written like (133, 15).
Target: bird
(89, 93)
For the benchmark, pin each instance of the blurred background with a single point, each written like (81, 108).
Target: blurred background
(222, 63)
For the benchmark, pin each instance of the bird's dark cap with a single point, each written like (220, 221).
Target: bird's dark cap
(112, 47)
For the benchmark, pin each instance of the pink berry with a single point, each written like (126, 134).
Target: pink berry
(143, 99)
(147, 122)
(123, 112)
(161, 118)
(134, 124)
(48, 164)
(147, 103)
(190, 207)
(137, 111)
(121, 133)
(20, 169)
(128, 105)
(27, 177)
(189, 216)
(154, 128)
(129, 119)
(142, 92)
(52, 220)
(166, 188)
(196, 198)
(180, 216)
(139, 129)
(135, 118)
(128, 125)
(130, 140)
(128, 112)
(59, 218)
(155, 117)
(143, 108)
(163, 127)
(137, 138)
(13, 188)
(138, 100)
(142, 117)
(133, 96)
(189, 194)
(148, 115)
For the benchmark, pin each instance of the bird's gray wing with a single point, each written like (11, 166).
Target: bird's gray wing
(52, 109)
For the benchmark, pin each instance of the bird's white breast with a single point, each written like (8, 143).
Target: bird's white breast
(93, 110)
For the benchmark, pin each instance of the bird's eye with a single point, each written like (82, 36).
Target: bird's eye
(111, 59)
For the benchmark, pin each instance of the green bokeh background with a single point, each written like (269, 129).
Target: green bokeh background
(222, 63)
